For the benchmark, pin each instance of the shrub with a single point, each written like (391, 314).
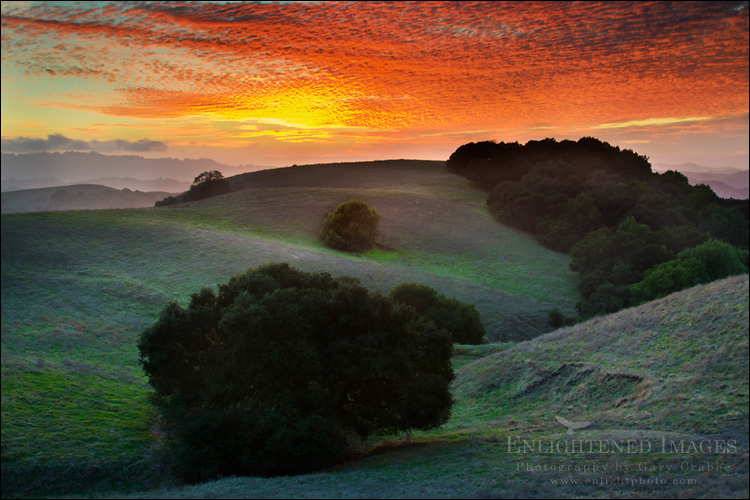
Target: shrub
(169, 200)
(556, 318)
(352, 227)
(281, 370)
(720, 258)
(461, 320)
(704, 263)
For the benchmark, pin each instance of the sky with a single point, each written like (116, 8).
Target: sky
(282, 83)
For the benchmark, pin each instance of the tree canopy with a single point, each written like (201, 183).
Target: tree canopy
(282, 369)
(704, 263)
(352, 227)
(459, 319)
(205, 185)
(208, 184)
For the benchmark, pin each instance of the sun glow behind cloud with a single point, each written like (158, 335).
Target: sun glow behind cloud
(361, 75)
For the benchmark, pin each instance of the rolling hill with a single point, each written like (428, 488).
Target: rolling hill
(434, 221)
(77, 197)
(79, 286)
(161, 184)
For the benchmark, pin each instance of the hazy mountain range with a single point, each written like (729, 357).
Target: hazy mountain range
(76, 197)
(166, 185)
(171, 175)
(39, 170)
(727, 182)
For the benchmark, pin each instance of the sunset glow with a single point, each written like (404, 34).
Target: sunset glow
(303, 82)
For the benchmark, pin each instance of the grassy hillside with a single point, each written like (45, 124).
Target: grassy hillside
(677, 364)
(435, 222)
(664, 387)
(79, 286)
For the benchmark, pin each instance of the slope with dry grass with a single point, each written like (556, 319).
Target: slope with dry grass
(678, 364)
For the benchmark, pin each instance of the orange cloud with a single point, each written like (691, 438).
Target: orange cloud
(414, 67)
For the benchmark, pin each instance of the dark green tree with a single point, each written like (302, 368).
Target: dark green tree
(726, 224)
(208, 184)
(352, 227)
(668, 277)
(486, 163)
(556, 318)
(706, 262)
(720, 258)
(461, 320)
(678, 238)
(568, 223)
(610, 260)
(282, 370)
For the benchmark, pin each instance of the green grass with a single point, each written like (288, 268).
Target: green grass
(472, 468)
(509, 393)
(78, 287)
(109, 412)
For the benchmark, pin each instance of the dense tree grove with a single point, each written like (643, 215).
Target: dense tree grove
(605, 207)
(352, 227)
(282, 370)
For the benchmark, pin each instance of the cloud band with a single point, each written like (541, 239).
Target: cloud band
(58, 142)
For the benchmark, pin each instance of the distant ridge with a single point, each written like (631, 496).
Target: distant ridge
(76, 167)
(726, 182)
(77, 197)
(694, 167)
(165, 185)
(35, 183)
